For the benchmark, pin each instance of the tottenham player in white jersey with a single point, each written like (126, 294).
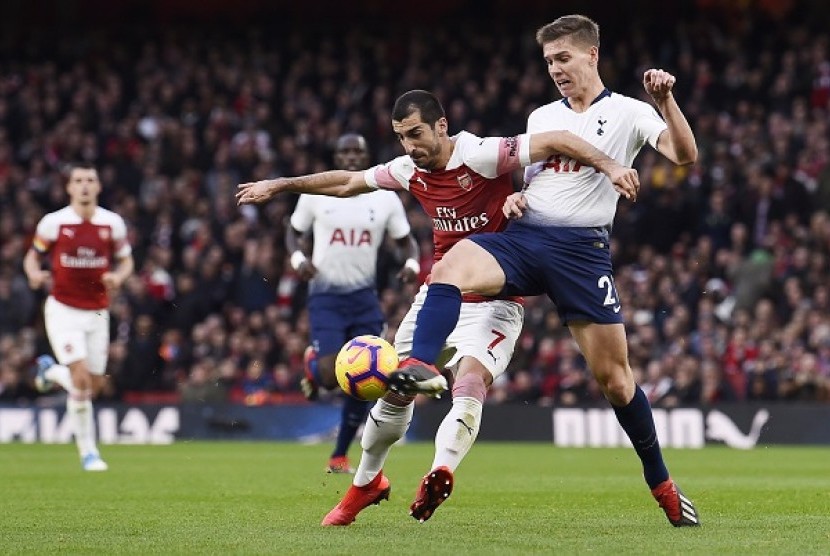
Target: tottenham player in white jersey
(461, 182)
(559, 244)
(90, 258)
(342, 297)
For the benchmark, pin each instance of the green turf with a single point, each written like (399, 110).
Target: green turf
(269, 498)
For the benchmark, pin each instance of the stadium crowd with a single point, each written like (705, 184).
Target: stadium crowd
(722, 267)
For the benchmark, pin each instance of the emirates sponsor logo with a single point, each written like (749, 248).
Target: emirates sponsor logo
(86, 258)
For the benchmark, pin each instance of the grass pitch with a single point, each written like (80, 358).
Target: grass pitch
(269, 498)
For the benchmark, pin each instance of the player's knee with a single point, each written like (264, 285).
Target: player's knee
(618, 386)
(447, 272)
(470, 385)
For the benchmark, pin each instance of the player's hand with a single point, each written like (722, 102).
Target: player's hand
(626, 181)
(306, 270)
(514, 205)
(39, 279)
(110, 281)
(257, 192)
(658, 83)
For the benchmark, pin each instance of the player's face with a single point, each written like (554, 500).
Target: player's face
(351, 154)
(83, 186)
(419, 140)
(571, 65)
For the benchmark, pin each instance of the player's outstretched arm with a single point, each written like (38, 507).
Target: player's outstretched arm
(677, 143)
(334, 183)
(543, 145)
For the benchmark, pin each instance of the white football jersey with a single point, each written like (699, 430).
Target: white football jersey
(347, 235)
(561, 192)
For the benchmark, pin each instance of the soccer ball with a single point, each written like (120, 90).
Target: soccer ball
(363, 366)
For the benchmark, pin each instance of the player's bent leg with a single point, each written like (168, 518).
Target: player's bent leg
(471, 268)
(454, 438)
(606, 352)
(387, 423)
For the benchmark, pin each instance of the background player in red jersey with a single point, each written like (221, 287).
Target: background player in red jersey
(90, 257)
(461, 182)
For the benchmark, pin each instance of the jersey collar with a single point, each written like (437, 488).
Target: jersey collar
(605, 93)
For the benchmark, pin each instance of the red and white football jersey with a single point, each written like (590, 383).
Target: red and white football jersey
(466, 197)
(81, 251)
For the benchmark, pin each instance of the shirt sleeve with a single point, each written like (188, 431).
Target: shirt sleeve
(45, 234)
(303, 217)
(495, 156)
(122, 247)
(648, 124)
(393, 175)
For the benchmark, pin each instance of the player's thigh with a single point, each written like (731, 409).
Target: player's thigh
(579, 276)
(470, 267)
(487, 332)
(97, 341)
(66, 334)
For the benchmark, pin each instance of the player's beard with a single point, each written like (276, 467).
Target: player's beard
(430, 157)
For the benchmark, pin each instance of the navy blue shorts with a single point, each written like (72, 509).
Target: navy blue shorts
(337, 318)
(571, 265)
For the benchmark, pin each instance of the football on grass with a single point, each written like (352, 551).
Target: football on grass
(363, 366)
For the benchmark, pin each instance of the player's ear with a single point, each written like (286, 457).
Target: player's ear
(442, 126)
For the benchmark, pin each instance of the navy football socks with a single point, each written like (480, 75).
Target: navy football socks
(638, 423)
(351, 417)
(436, 320)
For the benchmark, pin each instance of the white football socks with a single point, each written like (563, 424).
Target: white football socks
(457, 432)
(385, 425)
(61, 375)
(83, 425)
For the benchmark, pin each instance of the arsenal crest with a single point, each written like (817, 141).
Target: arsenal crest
(104, 234)
(465, 181)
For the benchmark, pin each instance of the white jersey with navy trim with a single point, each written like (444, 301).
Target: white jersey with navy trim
(561, 192)
(347, 235)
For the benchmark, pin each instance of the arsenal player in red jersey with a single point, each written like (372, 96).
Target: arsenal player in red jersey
(461, 181)
(90, 257)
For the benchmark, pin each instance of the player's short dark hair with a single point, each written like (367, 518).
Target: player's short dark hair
(418, 101)
(583, 29)
(67, 169)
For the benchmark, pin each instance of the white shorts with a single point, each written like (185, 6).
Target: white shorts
(77, 334)
(486, 331)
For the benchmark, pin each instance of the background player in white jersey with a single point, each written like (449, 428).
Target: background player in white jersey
(90, 258)
(461, 182)
(343, 301)
(560, 246)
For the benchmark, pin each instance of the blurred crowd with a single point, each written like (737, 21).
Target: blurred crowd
(722, 267)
